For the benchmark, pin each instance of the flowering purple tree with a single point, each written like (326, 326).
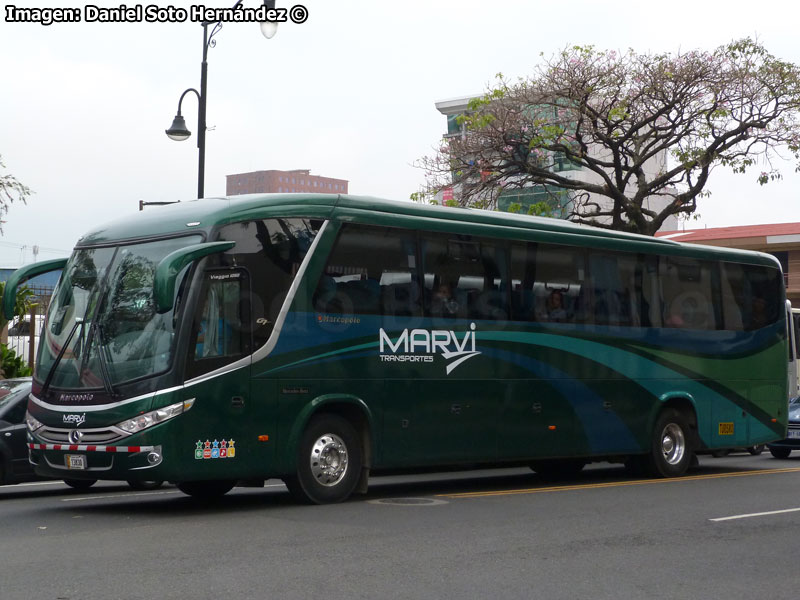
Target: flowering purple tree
(632, 137)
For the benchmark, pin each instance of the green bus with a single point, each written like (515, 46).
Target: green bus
(322, 338)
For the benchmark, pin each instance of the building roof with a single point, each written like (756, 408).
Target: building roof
(770, 233)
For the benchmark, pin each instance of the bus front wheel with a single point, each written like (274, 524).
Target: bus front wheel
(671, 450)
(328, 462)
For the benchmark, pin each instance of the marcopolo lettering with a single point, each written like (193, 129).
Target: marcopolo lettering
(421, 345)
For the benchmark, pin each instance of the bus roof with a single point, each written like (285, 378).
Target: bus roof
(205, 213)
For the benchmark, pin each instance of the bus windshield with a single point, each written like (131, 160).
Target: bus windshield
(102, 326)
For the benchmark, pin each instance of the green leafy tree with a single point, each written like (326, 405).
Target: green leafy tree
(643, 131)
(22, 304)
(11, 190)
(12, 365)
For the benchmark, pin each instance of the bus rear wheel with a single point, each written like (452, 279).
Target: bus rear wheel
(206, 490)
(328, 462)
(671, 449)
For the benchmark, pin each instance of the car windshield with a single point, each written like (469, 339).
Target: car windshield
(11, 389)
(102, 321)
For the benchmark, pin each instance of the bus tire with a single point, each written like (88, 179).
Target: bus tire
(144, 485)
(206, 490)
(671, 450)
(329, 462)
(780, 452)
(80, 484)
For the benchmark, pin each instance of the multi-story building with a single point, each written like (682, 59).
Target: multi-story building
(274, 181)
(532, 194)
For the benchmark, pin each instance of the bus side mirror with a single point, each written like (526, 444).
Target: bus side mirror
(172, 264)
(23, 274)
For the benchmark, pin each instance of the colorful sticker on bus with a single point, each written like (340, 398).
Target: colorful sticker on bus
(216, 449)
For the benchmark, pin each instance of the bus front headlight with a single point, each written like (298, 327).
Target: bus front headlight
(154, 417)
(32, 423)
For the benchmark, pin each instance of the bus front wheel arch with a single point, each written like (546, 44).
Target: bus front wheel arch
(329, 461)
(672, 444)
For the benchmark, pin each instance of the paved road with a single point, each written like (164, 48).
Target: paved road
(482, 534)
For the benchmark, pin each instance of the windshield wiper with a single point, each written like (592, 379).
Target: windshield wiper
(46, 386)
(101, 349)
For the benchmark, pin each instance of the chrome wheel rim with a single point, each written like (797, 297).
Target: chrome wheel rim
(328, 459)
(673, 444)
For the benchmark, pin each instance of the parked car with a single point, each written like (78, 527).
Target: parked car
(783, 448)
(19, 336)
(14, 464)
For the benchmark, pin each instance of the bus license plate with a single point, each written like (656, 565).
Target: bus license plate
(76, 461)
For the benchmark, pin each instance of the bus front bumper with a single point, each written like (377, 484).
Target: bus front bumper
(75, 461)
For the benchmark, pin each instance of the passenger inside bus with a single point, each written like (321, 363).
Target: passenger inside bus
(555, 307)
(444, 303)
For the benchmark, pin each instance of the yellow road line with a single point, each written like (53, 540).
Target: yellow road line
(592, 486)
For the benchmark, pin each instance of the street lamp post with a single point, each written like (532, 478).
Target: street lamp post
(178, 130)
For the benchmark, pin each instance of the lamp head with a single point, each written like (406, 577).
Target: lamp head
(269, 28)
(178, 130)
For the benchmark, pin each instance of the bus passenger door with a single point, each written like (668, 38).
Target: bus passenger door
(218, 377)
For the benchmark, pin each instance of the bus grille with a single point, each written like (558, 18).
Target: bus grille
(90, 436)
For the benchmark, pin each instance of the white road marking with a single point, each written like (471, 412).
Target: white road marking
(37, 483)
(759, 514)
(97, 497)
(127, 494)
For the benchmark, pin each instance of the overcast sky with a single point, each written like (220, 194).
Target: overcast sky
(348, 94)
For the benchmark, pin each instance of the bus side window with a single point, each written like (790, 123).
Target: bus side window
(616, 280)
(749, 296)
(271, 252)
(560, 291)
(465, 277)
(686, 293)
(371, 270)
